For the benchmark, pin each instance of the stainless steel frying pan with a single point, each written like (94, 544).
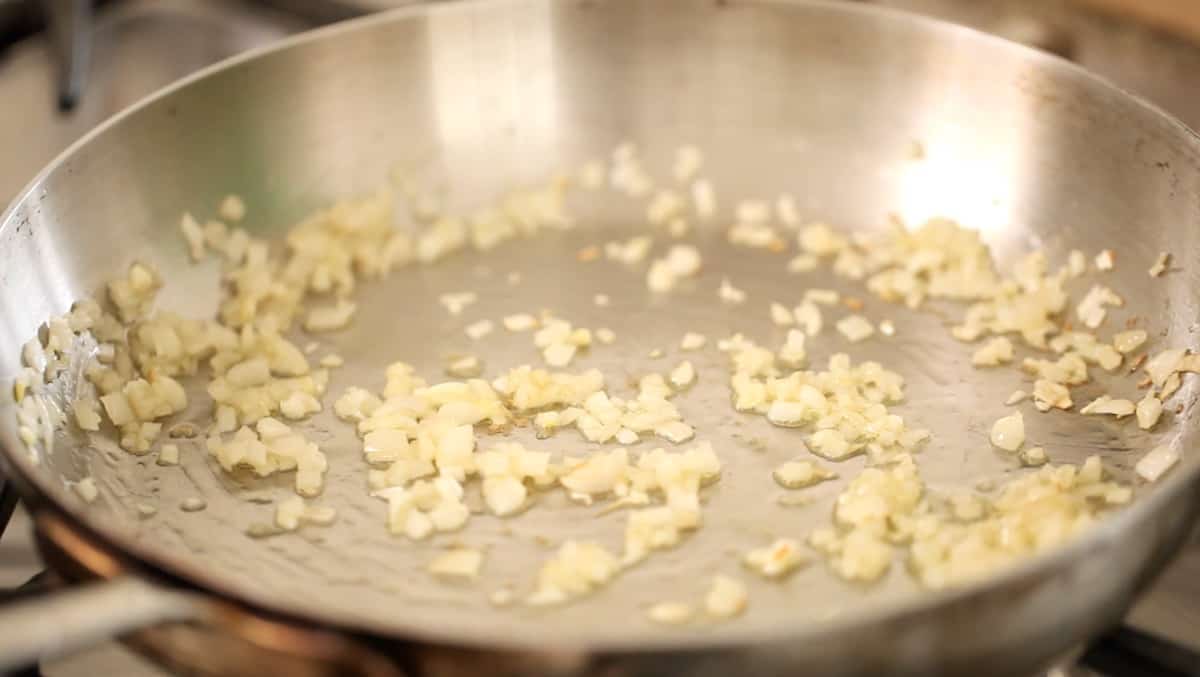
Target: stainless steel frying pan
(826, 101)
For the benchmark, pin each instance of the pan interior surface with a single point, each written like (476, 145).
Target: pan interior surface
(860, 115)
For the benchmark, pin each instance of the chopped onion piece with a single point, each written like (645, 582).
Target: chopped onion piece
(821, 240)
(665, 206)
(87, 413)
(855, 328)
(675, 431)
(1128, 341)
(330, 318)
(704, 199)
(1091, 310)
(288, 513)
(468, 366)
(726, 597)
(292, 512)
(193, 234)
(803, 263)
(86, 489)
(630, 252)
(683, 376)
(480, 329)
(830, 444)
(995, 352)
(670, 613)
(799, 474)
(729, 293)
(1161, 264)
(232, 208)
(681, 261)
(781, 316)
(755, 234)
(459, 563)
(559, 354)
(299, 405)
(753, 211)
(1049, 395)
(692, 341)
(1149, 410)
(777, 559)
(808, 316)
(1032, 457)
(520, 322)
(627, 174)
(1162, 365)
(1157, 462)
(1008, 432)
(825, 297)
(794, 353)
(786, 211)
(1171, 385)
(1107, 405)
(1076, 263)
(577, 569)
(456, 302)
(168, 455)
(688, 161)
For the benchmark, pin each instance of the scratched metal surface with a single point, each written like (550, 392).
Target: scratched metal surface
(1027, 150)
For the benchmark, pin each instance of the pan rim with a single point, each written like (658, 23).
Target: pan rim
(39, 491)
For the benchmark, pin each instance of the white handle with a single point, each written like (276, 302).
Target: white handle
(85, 615)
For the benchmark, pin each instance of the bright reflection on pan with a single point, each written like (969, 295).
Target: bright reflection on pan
(956, 172)
(510, 85)
(46, 287)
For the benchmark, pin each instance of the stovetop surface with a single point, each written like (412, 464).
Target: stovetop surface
(142, 45)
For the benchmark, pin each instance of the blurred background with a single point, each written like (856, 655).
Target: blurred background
(67, 65)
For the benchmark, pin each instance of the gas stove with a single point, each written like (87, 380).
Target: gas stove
(100, 59)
